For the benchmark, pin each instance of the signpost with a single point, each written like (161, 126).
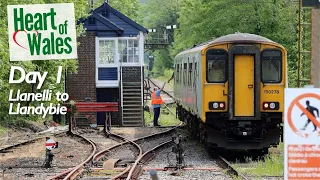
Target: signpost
(302, 133)
(50, 144)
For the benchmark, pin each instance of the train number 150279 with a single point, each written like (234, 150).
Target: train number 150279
(271, 91)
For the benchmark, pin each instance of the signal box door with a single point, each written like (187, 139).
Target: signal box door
(244, 85)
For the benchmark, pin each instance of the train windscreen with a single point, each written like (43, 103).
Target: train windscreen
(271, 66)
(216, 65)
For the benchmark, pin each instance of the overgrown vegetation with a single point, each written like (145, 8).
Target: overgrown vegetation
(199, 21)
(271, 165)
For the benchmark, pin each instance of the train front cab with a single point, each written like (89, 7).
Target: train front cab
(243, 95)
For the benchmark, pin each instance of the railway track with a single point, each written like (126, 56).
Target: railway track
(14, 142)
(230, 167)
(26, 159)
(234, 169)
(143, 150)
(72, 173)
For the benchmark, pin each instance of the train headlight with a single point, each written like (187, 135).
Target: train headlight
(217, 105)
(270, 105)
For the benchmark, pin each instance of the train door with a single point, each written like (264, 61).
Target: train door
(244, 85)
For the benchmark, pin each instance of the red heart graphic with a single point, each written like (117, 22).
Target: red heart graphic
(15, 40)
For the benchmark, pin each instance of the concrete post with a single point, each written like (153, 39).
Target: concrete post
(315, 47)
(153, 175)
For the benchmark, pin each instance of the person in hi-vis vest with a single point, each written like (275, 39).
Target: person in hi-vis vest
(156, 102)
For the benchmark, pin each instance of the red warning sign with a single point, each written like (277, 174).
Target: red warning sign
(311, 117)
(302, 134)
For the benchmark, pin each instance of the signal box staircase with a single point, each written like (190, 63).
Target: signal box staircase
(132, 109)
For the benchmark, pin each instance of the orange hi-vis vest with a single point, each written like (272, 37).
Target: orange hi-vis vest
(155, 99)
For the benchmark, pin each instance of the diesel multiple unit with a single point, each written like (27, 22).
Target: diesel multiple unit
(230, 91)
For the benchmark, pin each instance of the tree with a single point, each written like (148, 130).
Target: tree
(156, 14)
(200, 21)
(126, 7)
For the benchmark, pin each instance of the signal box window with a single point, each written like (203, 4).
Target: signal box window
(216, 65)
(106, 51)
(129, 50)
(271, 66)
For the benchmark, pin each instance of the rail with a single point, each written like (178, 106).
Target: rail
(100, 154)
(73, 172)
(27, 142)
(136, 169)
(231, 169)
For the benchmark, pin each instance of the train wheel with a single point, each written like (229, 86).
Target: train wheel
(189, 124)
(194, 127)
(203, 137)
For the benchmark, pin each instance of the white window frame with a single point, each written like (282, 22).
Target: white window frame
(140, 59)
(107, 83)
(117, 63)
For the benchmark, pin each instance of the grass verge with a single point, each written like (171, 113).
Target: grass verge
(166, 117)
(272, 165)
(2, 130)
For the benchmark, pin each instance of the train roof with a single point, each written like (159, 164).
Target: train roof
(234, 38)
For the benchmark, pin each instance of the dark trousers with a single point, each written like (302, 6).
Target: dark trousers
(156, 116)
(309, 120)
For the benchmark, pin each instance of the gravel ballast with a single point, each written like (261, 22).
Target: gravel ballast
(25, 162)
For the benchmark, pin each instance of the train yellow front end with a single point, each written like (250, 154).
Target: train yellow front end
(230, 91)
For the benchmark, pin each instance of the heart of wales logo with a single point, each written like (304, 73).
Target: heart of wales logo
(42, 32)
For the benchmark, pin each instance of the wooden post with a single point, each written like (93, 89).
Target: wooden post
(70, 124)
(109, 121)
(105, 123)
(74, 122)
(315, 47)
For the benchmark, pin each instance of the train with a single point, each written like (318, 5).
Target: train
(230, 92)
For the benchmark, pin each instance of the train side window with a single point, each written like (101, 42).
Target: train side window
(190, 75)
(271, 66)
(177, 73)
(195, 75)
(216, 65)
(181, 77)
(185, 74)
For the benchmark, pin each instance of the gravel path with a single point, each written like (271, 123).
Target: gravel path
(99, 138)
(27, 160)
(125, 152)
(136, 132)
